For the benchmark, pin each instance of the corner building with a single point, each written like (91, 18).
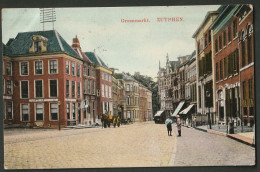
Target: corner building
(35, 80)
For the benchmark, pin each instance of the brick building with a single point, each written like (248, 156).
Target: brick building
(89, 104)
(149, 105)
(103, 84)
(246, 63)
(226, 66)
(142, 103)
(35, 80)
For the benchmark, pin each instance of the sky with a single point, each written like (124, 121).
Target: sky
(128, 47)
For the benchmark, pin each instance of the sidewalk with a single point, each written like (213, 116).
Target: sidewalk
(246, 137)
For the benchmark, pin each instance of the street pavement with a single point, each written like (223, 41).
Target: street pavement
(136, 145)
(198, 148)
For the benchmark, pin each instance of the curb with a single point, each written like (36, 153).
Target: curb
(226, 135)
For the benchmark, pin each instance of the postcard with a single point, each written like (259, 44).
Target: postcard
(108, 87)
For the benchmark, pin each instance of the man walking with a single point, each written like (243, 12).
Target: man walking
(168, 123)
(178, 124)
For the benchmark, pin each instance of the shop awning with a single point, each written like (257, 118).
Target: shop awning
(159, 113)
(178, 109)
(185, 111)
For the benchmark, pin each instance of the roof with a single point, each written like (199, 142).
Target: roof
(22, 43)
(95, 59)
(174, 64)
(224, 17)
(207, 17)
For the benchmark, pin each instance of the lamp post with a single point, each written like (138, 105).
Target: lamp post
(209, 117)
(59, 113)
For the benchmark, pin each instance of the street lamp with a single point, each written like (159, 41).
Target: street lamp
(209, 117)
(59, 113)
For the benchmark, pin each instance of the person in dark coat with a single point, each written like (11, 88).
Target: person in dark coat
(168, 123)
(178, 124)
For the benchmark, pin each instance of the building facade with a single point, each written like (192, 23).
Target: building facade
(35, 80)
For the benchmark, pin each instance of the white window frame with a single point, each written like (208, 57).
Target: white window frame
(67, 61)
(103, 90)
(20, 70)
(50, 111)
(21, 114)
(35, 112)
(49, 90)
(79, 84)
(75, 110)
(66, 88)
(35, 67)
(11, 67)
(78, 65)
(73, 73)
(35, 88)
(11, 84)
(75, 93)
(21, 89)
(69, 110)
(106, 91)
(12, 110)
(49, 69)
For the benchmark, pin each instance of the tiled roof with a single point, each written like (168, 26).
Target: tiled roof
(22, 43)
(95, 59)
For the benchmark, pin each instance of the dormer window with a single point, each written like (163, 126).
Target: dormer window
(39, 44)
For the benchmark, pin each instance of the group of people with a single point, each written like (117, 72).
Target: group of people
(168, 123)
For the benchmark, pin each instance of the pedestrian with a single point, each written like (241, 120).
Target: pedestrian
(168, 123)
(178, 125)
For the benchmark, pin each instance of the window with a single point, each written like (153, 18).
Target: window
(24, 68)
(9, 86)
(73, 111)
(93, 73)
(85, 85)
(220, 42)
(94, 87)
(249, 49)
(225, 38)
(24, 89)
(73, 69)
(38, 88)
(221, 69)
(229, 33)
(128, 100)
(25, 112)
(109, 91)
(78, 70)
(39, 111)
(53, 67)
(234, 28)
(236, 62)
(251, 96)
(127, 87)
(106, 91)
(230, 64)
(245, 97)
(216, 45)
(84, 70)
(89, 86)
(67, 88)
(73, 88)
(103, 90)
(54, 111)
(217, 72)
(8, 68)
(89, 73)
(78, 89)
(38, 67)
(10, 110)
(37, 46)
(53, 88)
(67, 67)
(68, 111)
(243, 53)
(226, 67)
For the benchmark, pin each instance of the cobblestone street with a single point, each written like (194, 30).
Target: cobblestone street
(136, 145)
